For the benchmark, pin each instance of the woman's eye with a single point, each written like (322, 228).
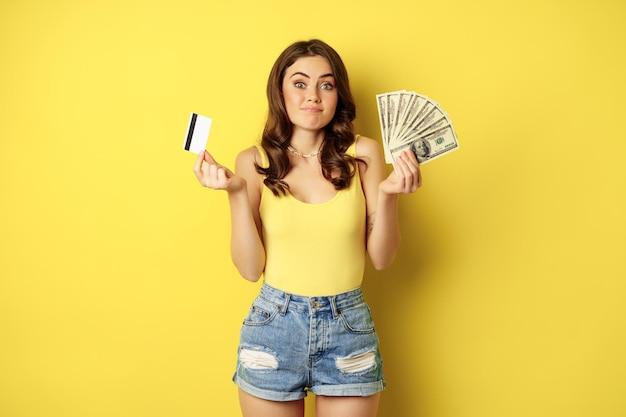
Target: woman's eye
(327, 86)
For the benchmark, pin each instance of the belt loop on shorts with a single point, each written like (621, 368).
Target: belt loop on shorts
(283, 308)
(333, 306)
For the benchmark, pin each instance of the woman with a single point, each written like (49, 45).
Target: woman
(303, 214)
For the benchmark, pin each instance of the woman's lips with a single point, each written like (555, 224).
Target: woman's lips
(312, 110)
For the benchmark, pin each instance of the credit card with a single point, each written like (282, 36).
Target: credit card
(198, 130)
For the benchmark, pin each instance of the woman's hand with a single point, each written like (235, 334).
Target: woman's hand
(216, 176)
(405, 177)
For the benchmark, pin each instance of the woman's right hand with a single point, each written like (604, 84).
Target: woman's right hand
(216, 176)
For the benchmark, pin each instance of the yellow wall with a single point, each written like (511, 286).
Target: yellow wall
(117, 293)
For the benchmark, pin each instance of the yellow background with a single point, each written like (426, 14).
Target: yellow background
(117, 293)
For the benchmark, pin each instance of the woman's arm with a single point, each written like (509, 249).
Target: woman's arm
(384, 236)
(383, 229)
(246, 245)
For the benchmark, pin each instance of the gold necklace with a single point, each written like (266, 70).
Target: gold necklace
(304, 155)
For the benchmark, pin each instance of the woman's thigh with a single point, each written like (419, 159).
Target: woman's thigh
(353, 406)
(252, 406)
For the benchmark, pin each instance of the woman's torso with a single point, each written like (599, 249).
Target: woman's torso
(313, 248)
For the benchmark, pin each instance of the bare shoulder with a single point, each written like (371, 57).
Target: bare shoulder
(368, 149)
(371, 152)
(250, 155)
(244, 166)
(245, 161)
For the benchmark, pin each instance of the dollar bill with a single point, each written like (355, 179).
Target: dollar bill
(413, 121)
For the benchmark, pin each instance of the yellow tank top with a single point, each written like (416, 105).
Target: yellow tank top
(314, 249)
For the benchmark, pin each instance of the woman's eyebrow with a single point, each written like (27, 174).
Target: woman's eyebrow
(330, 74)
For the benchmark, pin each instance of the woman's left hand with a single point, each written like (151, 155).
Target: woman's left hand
(405, 177)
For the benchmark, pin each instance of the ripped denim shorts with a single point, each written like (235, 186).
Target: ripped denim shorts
(290, 344)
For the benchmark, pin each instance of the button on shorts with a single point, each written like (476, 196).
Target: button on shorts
(290, 344)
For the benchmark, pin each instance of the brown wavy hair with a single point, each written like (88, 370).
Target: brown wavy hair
(338, 133)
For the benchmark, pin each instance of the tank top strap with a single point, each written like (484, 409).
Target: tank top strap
(264, 159)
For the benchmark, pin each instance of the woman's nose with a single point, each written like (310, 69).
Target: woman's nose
(313, 96)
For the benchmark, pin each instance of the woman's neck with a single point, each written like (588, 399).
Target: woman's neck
(307, 141)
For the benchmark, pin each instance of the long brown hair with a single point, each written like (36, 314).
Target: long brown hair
(338, 133)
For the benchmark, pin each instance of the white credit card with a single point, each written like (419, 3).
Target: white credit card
(197, 133)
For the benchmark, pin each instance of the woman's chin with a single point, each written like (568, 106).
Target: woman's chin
(310, 126)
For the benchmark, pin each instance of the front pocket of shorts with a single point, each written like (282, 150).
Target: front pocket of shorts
(357, 319)
(260, 314)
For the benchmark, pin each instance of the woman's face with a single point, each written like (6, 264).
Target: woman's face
(309, 92)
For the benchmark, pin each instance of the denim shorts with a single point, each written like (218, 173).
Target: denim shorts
(290, 344)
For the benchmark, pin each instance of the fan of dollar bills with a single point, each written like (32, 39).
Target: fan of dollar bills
(411, 120)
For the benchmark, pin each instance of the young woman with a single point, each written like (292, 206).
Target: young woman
(307, 203)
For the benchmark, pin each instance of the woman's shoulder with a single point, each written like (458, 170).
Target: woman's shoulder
(367, 148)
(244, 164)
(252, 154)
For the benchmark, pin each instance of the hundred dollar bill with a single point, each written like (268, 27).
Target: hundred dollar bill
(412, 120)
(412, 124)
(432, 120)
(389, 111)
(398, 104)
(430, 146)
(406, 108)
